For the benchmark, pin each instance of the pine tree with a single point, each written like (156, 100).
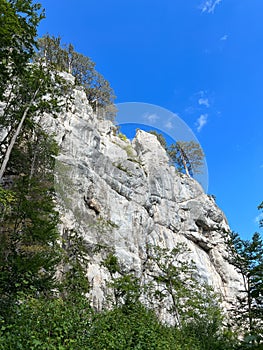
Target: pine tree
(187, 156)
(247, 257)
(28, 235)
(64, 58)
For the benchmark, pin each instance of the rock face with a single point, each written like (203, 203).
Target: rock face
(125, 195)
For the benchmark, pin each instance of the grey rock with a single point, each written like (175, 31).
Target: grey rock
(125, 195)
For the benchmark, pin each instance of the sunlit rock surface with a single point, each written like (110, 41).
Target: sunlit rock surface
(125, 195)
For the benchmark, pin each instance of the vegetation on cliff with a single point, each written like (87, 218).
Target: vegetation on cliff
(187, 156)
(38, 310)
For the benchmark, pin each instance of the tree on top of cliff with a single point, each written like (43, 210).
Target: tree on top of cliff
(63, 57)
(187, 156)
(160, 138)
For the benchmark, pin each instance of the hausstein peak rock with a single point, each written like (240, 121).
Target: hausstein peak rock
(123, 196)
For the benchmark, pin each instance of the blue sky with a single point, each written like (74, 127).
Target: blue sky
(202, 60)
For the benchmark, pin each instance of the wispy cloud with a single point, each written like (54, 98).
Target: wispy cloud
(209, 5)
(203, 98)
(203, 101)
(151, 118)
(201, 122)
(224, 37)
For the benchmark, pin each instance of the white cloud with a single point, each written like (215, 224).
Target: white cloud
(203, 98)
(152, 118)
(201, 121)
(209, 5)
(224, 37)
(204, 102)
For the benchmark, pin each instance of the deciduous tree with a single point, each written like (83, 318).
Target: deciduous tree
(18, 30)
(176, 283)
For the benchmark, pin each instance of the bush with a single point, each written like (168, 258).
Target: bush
(127, 328)
(47, 324)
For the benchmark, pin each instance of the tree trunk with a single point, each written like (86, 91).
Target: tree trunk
(185, 166)
(13, 140)
(177, 315)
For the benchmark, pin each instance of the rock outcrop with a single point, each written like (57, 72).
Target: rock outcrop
(125, 195)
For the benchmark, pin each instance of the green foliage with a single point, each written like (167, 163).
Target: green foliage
(31, 94)
(122, 136)
(160, 138)
(200, 335)
(18, 29)
(6, 198)
(36, 310)
(26, 90)
(187, 156)
(51, 52)
(71, 324)
(260, 207)
(41, 323)
(28, 234)
(194, 305)
(125, 286)
(247, 257)
(63, 57)
(175, 281)
(68, 322)
(74, 282)
(130, 328)
(126, 290)
(129, 150)
(199, 319)
(29, 249)
(112, 264)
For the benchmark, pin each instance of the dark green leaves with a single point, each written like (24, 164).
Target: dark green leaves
(247, 256)
(176, 283)
(18, 28)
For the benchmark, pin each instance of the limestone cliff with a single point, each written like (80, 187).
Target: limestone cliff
(126, 195)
